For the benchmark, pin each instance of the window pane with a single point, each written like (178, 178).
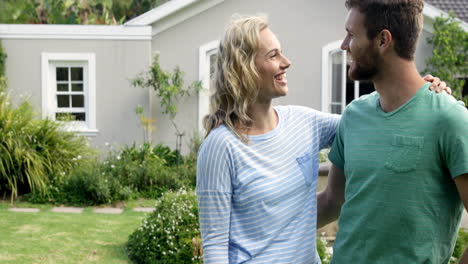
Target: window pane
(63, 101)
(366, 87)
(212, 65)
(62, 74)
(79, 116)
(336, 109)
(70, 116)
(76, 74)
(336, 76)
(77, 100)
(62, 87)
(64, 117)
(77, 87)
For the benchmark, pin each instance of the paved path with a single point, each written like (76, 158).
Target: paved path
(110, 210)
(78, 210)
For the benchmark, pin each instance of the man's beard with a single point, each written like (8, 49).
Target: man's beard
(365, 67)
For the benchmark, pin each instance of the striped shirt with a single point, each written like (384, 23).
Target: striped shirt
(257, 201)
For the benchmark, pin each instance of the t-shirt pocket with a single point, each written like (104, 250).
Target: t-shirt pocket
(404, 154)
(309, 167)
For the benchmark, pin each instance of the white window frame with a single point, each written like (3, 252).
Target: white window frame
(326, 98)
(49, 62)
(205, 52)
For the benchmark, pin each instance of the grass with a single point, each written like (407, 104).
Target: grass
(48, 237)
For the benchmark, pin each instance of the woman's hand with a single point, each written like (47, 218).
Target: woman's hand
(437, 85)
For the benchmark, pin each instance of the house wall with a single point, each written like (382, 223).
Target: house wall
(302, 26)
(423, 51)
(116, 62)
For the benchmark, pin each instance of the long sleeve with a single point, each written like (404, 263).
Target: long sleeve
(327, 129)
(214, 172)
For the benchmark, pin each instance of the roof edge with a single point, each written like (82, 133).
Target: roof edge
(159, 12)
(167, 9)
(433, 12)
(50, 31)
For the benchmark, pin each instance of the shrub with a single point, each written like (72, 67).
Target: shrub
(32, 151)
(87, 184)
(460, 245)
(170, 234)
(172, 157)
(322, 251)
(134, 171)
(150, 171)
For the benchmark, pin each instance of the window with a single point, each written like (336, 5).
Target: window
(207, 61)
(68, 90)
(337, 89)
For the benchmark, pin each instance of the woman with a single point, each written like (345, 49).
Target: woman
(257, 168)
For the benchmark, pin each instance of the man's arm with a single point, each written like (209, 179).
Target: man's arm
(462, 186)
(330, 200)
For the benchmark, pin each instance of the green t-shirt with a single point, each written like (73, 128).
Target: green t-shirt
(402, 205)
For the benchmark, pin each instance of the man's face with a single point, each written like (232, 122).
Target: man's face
(364, 56)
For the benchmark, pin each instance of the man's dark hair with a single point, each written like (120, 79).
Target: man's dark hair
(403, 18)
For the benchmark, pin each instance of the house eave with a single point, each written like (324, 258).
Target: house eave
(159, 12)
(172, 13)
(89, 32)
(431, 13)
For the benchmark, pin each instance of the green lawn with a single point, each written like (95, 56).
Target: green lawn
(48, 237)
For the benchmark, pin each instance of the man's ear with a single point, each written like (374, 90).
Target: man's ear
(384, 40)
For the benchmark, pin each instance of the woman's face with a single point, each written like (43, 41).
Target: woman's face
(271, 65)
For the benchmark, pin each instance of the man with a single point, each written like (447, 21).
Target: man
(400, 157)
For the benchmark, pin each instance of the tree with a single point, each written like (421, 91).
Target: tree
(109, 12)
(449, 59)
(169, 87)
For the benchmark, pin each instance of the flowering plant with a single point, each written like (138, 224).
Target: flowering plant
(170, 234)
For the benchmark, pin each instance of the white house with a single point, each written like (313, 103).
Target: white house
(84, 70)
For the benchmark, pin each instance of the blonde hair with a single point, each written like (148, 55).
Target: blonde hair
(236, 76)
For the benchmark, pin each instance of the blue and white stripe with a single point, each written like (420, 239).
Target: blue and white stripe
(257, 201)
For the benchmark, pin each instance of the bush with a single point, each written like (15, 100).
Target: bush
(460, 245)
(150, 171)
(87, 184)
(171, 157)
(32, 151)
(170, 234)
(132, 172)
(322, 251)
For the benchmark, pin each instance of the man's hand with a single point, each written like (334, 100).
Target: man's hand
(437, 84)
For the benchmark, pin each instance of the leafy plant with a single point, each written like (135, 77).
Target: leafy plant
(449, 54)
(149, 170)
(169, 87)
(73, 11)
(146, 123)
(172, 157)
(33, 151)
(322, 251)
(460, 245)
(170, 234)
